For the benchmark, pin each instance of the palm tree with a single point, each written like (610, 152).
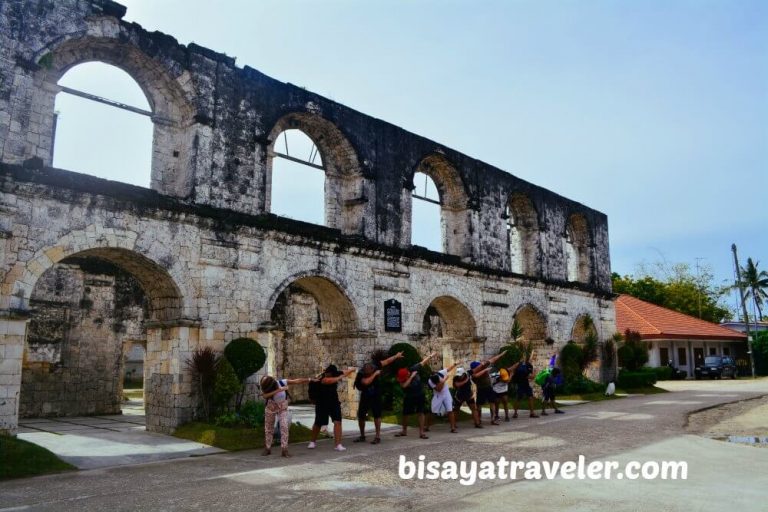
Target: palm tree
(755, 283)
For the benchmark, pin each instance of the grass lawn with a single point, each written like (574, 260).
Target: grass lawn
(19, 458)
(234, 438)
(133, 393)
(600, 395)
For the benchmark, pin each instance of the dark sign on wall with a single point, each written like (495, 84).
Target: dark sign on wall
(393, 316)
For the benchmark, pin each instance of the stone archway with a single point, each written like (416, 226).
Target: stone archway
(535, 332)
(346, 192)
(577, 243)
(169, 337)
(313, 324)
(523, 236)
(449, 328)
(454, 209)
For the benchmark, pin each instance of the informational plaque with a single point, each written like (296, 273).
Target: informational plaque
(393, 316)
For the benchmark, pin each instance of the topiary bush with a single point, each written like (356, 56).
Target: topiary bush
(571, 357)
(226, 384)
(663, 373)
(246, 357)
(580, 385)
(636, 379)
(633, 354)
(514, 353)
(391, 391)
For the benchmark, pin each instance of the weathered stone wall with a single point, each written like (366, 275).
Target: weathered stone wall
(73, 362)
(214, 264)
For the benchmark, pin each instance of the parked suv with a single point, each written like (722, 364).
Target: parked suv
(716, 367)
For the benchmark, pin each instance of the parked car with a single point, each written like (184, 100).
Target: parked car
(716, 367)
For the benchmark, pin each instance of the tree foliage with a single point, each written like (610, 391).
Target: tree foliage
(755, 284)
(676, 288)
(633, 354)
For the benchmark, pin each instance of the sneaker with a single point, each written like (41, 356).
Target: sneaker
(340, 448)
(311, 445)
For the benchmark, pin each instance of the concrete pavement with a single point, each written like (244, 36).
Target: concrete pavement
(721, 475)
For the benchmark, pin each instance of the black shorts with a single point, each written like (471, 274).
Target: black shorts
(524, 391)
(413, 404)
(485, 395)
(369, 403)
(323, 411)
(549, 393)
(458, 400)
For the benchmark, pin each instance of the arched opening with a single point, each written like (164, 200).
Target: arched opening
(583, 327)
(313, 174)
(449, 195)
(427, 229)
(315, 325)
(450, 330)
(298, 178)
(167, 97)
(577, 249)
(86, 309)
(533, 330)
(103, 125)
(523, 236)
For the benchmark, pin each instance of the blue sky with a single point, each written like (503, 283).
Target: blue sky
(653, 112)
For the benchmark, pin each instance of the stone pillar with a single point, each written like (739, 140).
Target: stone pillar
(168, 391)
(13, 331)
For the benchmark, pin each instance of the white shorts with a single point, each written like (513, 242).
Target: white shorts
(442, 403)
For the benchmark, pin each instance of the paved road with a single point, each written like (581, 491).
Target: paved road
(721, 475)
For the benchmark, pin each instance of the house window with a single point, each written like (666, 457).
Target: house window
(426, 224)
(712, 351)
(663, 356)
(726, 351)
(682, 356)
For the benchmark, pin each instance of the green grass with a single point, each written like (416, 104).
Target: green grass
(19, 459)
(234, 438)
(133, 393)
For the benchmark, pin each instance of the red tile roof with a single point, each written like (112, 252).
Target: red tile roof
(655, 322)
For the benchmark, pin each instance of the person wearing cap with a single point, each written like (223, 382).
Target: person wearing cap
(275, 392)
(501, 389)
(523, 375)
(368, 382)
(480, 374)
(442, 401)
(328, 405)
(462, 384)
(413, 396)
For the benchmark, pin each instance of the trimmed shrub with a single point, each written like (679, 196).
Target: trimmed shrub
(514, 352)
(246, 357)
(636, 379)
(410, 356)
(663, 373)
(580, 385)
(571, 357)
(226, 384)
(634, 353)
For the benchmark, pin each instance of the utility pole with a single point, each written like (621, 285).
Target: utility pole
(698, 285)
(743, 300)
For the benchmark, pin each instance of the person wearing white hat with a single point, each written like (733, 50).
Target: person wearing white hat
(442, 401)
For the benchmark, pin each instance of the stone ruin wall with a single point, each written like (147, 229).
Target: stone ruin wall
(210, 258)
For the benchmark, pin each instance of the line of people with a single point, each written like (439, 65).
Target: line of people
(475, 387)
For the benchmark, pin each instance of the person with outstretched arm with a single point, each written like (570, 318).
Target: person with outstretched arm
(369, 385)
(275, 392)
(328, 405)
(413, 399)
(522, 377)
(480, 375)
(442, 401)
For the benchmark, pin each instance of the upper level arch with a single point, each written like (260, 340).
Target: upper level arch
(345, 192)
(523, 238)
(454, 210)
(169, 99)
(577, 243)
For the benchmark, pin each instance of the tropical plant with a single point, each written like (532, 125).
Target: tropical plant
(202, 365)
(609, 349)
(247, 357)
(571, 357)
(755, 285)
(633, 354)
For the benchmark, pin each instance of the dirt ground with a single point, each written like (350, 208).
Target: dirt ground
(745, 418)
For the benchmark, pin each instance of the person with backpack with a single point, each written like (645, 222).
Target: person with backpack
(501, 389)
(413, 396)
(481, 376)
(522, 376)
(548, 387)
(368, 383)
(462, 383)
(442, 401)
(275, 392)
(324, 392)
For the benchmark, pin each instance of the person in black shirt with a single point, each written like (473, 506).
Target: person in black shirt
(413, 395)
(328, 404)
(367, 381)
(522, 377)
